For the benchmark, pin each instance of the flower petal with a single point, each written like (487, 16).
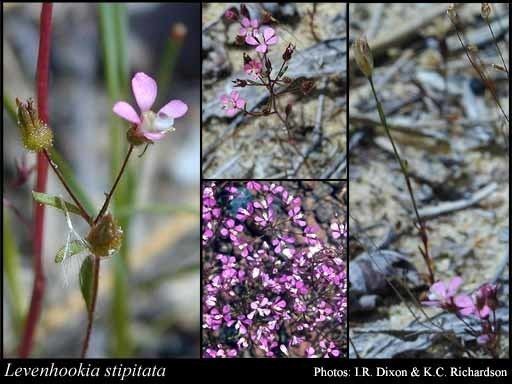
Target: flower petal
(271, 41)
(126, 111)
(154, 136)
(251, 40)
(144, 89)
(174, 109)
(439, 289)
(261, 48)
(268, 33)
(231, 112)
(453, 285)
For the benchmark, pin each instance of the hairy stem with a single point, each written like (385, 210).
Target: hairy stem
(42, 72)
(421, 226)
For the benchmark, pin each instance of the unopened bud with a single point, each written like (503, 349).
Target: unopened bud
(247, 58)
(240, 83)
(231, 14)
(105, 237)
(244, 11)
(36, 134)
(363, 56)
(287, 55)
(486, 10)
(288, 110)
(287, 80)
(268, 65)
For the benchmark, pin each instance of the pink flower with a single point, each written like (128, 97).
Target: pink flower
(232, 103)
(269, 37)
(253, 67)
(486, 300)
(337, 230)
(249, 27)
(149, 125)
(443, 295)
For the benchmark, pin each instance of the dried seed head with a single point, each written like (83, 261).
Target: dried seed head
(179, 32)
(452, 13)
(105, 237)
(36, 135)
(486, 10)
(363, 56)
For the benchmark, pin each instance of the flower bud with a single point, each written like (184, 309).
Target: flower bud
(244, 11)
(240, 83)
(486, 10)
(288, 110)
(105, 237)
(287, 80)
(363, 56)
(36, 135)
(268, 64)
(287, 55)
(231, 14)
(247, 58)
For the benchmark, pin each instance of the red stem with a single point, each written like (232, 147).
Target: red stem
(43, 64)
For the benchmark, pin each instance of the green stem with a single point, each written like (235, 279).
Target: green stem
(421, 225)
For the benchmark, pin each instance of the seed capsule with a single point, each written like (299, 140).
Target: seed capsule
(363, 56)
(486, 10)
(36, 135)
(105, 237)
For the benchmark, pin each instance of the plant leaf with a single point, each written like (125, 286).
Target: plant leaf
(56, 202)
(74, 248)
(85, 278)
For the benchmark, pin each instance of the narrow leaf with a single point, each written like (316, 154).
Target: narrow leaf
(73, 248)
(85, 278)
(54, 201)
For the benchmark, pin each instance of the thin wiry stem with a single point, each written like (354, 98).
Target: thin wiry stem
(420, 225)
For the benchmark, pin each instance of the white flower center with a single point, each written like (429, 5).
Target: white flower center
(151, 122)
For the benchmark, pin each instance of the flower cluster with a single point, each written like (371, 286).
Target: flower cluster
(272, 287)
(256, 33)
(481, 304)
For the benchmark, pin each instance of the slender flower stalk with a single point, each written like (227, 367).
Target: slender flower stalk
(364, 60)
(43, 64)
